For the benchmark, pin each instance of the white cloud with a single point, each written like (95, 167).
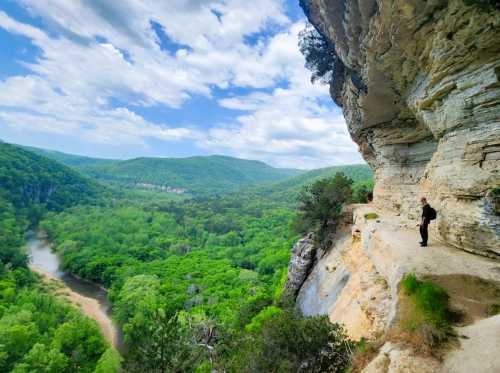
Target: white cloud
(95, 54)
(296, 126)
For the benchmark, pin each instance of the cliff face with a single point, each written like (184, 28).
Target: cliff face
(301, 264)
(420, 91)
(357, 284)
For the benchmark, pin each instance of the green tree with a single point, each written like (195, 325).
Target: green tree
(18, 333)
(287, 342)
(110, 362)
(81, 340)
(160, 343)
(319, 53)
(321, 205)
(42, 359)
(362, 192)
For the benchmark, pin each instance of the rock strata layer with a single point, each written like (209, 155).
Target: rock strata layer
(357, 284)
(420, 91)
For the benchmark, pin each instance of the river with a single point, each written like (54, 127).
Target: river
(90, 298)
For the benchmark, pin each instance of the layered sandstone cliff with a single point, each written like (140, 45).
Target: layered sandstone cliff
(419, 84)
(357, 284)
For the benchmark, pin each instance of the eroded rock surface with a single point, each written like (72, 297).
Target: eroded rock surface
(420, 90)
(394, 359)
(346, 285)
(301, 263)
(357, 282)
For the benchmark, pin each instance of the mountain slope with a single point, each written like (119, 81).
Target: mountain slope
(287, 190)
(195, 175)
(357, 172)
(28, 179)
(77, 161)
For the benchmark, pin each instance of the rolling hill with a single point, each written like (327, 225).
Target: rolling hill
(28, 179)
(204, 175)
(287, 190)
(200, 175)
(76, 161)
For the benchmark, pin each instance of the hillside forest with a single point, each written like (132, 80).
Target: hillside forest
(195, 278)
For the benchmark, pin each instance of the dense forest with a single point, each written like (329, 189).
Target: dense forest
(38, 331)
(196, 284)
(198, 176)
(32, 183)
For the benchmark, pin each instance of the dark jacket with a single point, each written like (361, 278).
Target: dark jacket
(426, 213)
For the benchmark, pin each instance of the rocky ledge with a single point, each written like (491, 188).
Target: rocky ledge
(419, 84)
(357, 284)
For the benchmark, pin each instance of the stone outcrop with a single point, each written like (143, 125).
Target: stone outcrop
(419, 84)
(357, 284)
(394, 359)
(301, 263)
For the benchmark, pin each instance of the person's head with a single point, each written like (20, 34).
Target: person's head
(423, 200)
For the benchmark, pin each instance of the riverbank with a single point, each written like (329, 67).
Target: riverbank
(89, 306)
(90, 298)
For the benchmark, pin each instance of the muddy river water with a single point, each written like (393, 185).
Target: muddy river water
(90, 298)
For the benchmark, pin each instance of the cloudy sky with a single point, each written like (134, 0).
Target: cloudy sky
(129, 78)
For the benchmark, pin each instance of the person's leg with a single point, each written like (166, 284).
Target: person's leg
(421, 228)
(425, 234)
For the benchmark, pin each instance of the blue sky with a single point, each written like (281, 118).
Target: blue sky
(165, 78)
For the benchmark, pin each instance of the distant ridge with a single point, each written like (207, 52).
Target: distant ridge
(197, 175)
(287, 190)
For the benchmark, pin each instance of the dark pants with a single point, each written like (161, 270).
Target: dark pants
(424, 232)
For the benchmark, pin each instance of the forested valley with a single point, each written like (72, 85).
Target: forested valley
(196, 282)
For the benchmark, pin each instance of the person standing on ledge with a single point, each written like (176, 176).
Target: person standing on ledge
(428, 214)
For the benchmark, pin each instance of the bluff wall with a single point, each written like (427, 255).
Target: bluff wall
(419, 85)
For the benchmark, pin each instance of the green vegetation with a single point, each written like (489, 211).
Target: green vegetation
(195, 283)
(110, 362)
(287, 342)
(12, 228)
(40, 333)
(210, 265)
(76, 161)
(32, 183)
(319, 53)
(288, 191)
(321, 206)
(220, 259)
(199, 176)
(362, 191)
(371, 215)
(429, 315)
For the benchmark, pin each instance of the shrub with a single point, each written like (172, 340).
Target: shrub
(264, 315)
(429, 314)
(287, 342)
(321, 205)
(362, 192)
(410, 283)
(371, 216)
(365, 351)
